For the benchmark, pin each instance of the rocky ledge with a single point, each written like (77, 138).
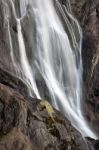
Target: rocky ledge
(32, 124)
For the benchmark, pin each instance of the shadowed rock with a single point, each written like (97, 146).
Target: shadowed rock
(87, 12)
(93, 144)
(34, 125)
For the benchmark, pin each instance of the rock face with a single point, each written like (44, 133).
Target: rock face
(31, 124)
(87, 12)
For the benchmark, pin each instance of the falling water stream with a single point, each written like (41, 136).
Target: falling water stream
(56, 57)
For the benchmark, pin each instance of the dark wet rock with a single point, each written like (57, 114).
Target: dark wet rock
(34, 125)
(93, 144)
(87, 12)
(10, 80)
(97, 10)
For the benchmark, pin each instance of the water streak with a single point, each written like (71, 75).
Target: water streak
(56, 58)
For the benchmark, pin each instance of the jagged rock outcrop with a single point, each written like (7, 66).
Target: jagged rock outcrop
(31, 124)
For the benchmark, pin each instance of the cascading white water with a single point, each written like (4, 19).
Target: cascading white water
(57, 58)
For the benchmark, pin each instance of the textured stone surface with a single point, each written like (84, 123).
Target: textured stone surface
(24, 124)
(34, 125)
(87, 12)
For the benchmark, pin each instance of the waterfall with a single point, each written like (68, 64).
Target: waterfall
(24, 61)
(55, 57)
